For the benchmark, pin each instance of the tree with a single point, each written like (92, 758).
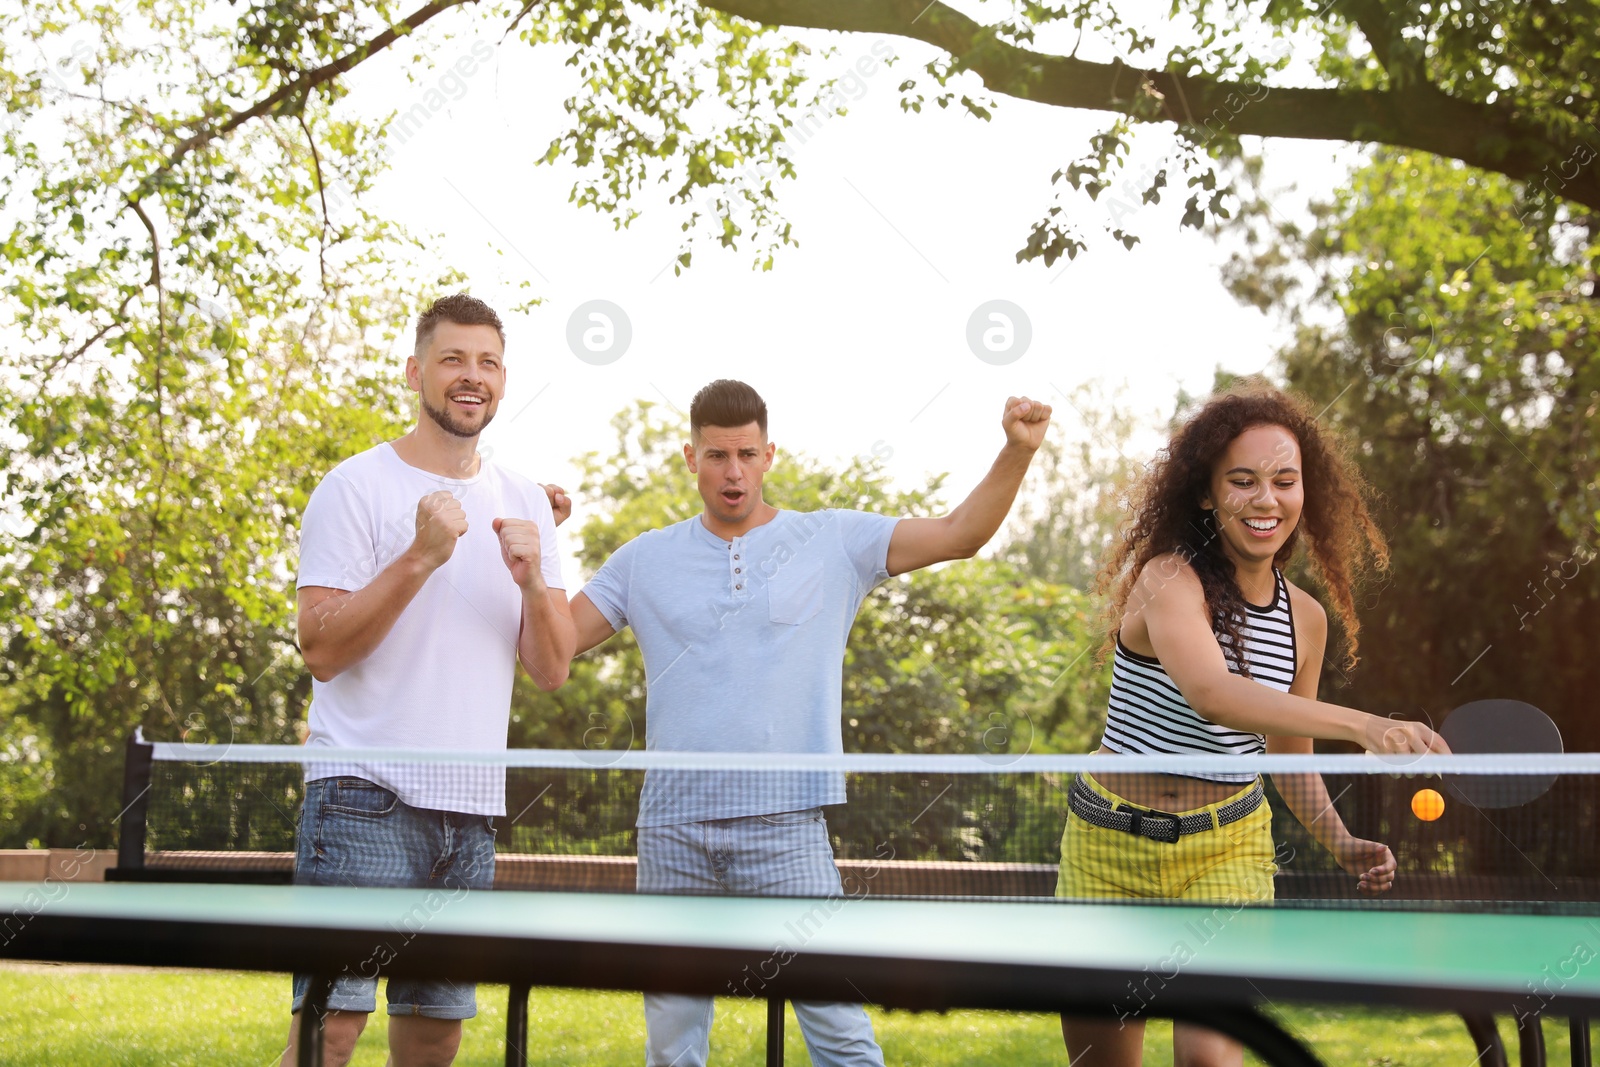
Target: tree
(152, 583)
(1462, 358)
(192, 337)
(1502, 87)
(706, 97)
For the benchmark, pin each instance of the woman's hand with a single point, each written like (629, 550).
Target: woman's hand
(1400, 737)
(1370, 861)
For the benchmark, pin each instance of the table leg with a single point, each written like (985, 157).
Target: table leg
(1485, 1038)
(1578, 1025)
(1261, 1035)
(775, 1007)
(313, 1010)
(517, 1026)
(1530, 1040)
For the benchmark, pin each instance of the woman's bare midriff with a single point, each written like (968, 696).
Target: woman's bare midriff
(1164, 792)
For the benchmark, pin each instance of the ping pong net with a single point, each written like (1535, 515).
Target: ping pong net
(1491, 833)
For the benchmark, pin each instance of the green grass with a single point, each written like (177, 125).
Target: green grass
(107, 1017)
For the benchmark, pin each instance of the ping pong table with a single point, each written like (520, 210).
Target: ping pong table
(1209, 965)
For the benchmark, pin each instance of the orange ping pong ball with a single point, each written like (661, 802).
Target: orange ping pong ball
(1427, 805)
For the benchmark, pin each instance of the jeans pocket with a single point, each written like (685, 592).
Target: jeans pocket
(359, 797)
(791, 818)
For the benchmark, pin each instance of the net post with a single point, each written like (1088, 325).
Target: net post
(1578, 1026)
(517, 1026)
(138, 759)
(775, 1031)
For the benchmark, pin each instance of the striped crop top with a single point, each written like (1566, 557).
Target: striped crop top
(1147, 714)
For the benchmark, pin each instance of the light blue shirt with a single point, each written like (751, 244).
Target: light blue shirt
(743, 646)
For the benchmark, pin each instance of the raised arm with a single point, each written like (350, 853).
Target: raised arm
(339, 628)
(1307, 794)
(918, 543)
(1173, 608)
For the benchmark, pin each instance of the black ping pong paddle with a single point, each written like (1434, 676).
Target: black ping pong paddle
(1499, 726)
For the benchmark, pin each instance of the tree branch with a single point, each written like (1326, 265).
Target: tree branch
(527, 8)
(66, 358)
(296, 91)
(1373, 22)
(1415, 114)
(161, 415)
(161, 320)
(155, 280)
(322, 238)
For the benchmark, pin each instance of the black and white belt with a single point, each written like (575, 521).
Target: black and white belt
(1163, 826)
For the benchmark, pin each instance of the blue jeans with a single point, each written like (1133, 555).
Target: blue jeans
(786, 854)
(355, 833)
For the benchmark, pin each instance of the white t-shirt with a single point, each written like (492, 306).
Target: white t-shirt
(441, 678)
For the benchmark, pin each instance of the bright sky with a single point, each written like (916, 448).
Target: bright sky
(858, 339)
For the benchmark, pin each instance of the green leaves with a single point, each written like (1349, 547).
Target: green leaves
(676, 93)
(177, 388)
(1460, 357)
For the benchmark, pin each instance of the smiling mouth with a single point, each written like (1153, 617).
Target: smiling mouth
(1261, 527)
(471, 400)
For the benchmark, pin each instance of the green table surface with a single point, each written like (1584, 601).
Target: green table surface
(1368, 951)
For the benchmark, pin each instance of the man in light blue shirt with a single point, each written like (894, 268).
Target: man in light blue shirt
(742, 614)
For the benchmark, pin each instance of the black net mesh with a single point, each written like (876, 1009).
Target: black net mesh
(1466, 842)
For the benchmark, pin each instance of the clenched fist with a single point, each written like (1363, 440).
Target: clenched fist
(440, 523)
(1025, 422)
(560, 502)
(519, 547)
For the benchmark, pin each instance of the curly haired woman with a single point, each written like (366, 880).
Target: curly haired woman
(1215, 652)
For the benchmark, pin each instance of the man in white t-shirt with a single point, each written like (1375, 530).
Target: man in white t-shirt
(742, 613)
(426, 574)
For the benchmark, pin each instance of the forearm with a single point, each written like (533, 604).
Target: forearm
(1240, 703)
(342, 630)
(976, 519)
(548, 640)
(1307, 797)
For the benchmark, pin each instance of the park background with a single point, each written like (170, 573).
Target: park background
(218, 221)
(221, 221)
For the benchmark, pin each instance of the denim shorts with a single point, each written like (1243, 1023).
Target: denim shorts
(355, 833)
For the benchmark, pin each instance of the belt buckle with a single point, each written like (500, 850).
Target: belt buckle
(1156, 825)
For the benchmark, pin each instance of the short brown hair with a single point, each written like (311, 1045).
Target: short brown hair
(461, 309)
(728, 404)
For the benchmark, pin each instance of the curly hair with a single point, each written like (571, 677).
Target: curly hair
(1335, 522)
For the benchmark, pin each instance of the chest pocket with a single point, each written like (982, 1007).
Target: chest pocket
(794, 593)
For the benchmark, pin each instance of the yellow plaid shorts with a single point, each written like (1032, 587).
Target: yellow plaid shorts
(1231, 864)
